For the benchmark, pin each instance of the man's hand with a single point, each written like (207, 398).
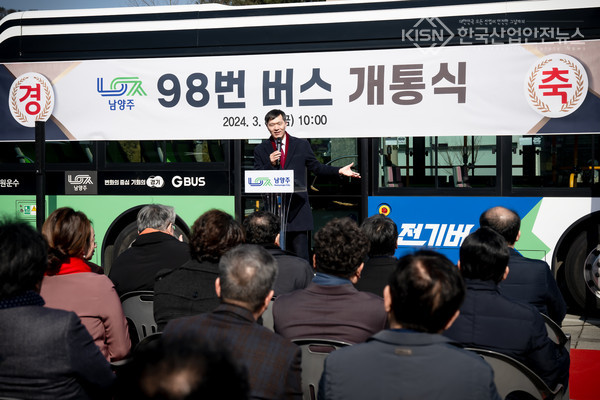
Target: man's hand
(274, 157)
(347, 171)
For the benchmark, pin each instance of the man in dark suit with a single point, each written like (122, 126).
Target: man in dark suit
(492, 321)
(382, 233)
(295, 154)
(411, 360)
(262, 228)
(44, 353)
(154, 249)
(530, 281)
(331, 307)
(245, 285)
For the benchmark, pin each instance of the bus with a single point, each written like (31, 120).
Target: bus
(446, 108)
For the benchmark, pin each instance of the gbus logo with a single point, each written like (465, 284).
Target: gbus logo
(187, 181)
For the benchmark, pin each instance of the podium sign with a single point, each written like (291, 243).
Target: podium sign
(269, 181)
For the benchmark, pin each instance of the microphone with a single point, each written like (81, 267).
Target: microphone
(278, 144)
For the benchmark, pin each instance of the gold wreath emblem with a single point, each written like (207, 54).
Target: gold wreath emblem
(13, 102)
(47, 105)
(537, 103)
(578, 91)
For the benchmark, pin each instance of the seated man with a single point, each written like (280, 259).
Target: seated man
(491, 321)
(44, 353)
(411, 360)
(383, 238)
(530, 281)
(245, 286)
(331, 307)
(262, 228)
(154, 249)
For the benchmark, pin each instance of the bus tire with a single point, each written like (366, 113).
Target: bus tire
(581, 269)
(124, 239)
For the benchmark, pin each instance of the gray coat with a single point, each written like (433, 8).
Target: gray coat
(48, 354)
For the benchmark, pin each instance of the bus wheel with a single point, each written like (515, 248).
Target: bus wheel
(582, 270)
(125, 238)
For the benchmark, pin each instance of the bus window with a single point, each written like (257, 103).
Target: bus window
(555, 161)
(71, 152)
(438, 161)
(164, 151)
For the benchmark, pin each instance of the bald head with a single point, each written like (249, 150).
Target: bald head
(504, 221)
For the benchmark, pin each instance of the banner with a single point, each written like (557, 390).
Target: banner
(460, 90)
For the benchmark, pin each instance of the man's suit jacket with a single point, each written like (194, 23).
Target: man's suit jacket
(397, 364)
(531, 281)
(48, 354)
(293, 272)
(136, 267)
(272, 362)
(337, 312)
(376, 274)
(489, 320)
(299, 157)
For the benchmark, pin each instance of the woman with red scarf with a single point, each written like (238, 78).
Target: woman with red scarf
(71, 284)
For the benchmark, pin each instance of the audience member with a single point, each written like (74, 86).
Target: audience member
(489, 320)
(190, 288)
(411, 360)
(382, 233)
(530, 281)
(181, 370)
(263, 228)
(331, 307)
(154, 249)
(70, 285)
(245, 285)
(44, 353)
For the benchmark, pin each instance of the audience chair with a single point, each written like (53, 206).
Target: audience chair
(512, 377)
(267, 317)
(314, 352)
(139, 310)
(556, 334)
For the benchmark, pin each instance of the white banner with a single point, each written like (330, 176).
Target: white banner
(461, 90)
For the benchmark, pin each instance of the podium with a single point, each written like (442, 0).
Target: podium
(276, 187)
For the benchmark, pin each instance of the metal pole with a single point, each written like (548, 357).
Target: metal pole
(40, 173)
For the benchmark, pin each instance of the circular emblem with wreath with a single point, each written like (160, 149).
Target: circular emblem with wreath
(31, 99)
(556, 85)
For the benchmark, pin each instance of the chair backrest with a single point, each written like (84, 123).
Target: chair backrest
(512, 376)
(556, 334)
(267, 317)
(138, 308)
(314, 352)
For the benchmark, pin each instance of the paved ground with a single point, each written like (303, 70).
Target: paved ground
(585, 331)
